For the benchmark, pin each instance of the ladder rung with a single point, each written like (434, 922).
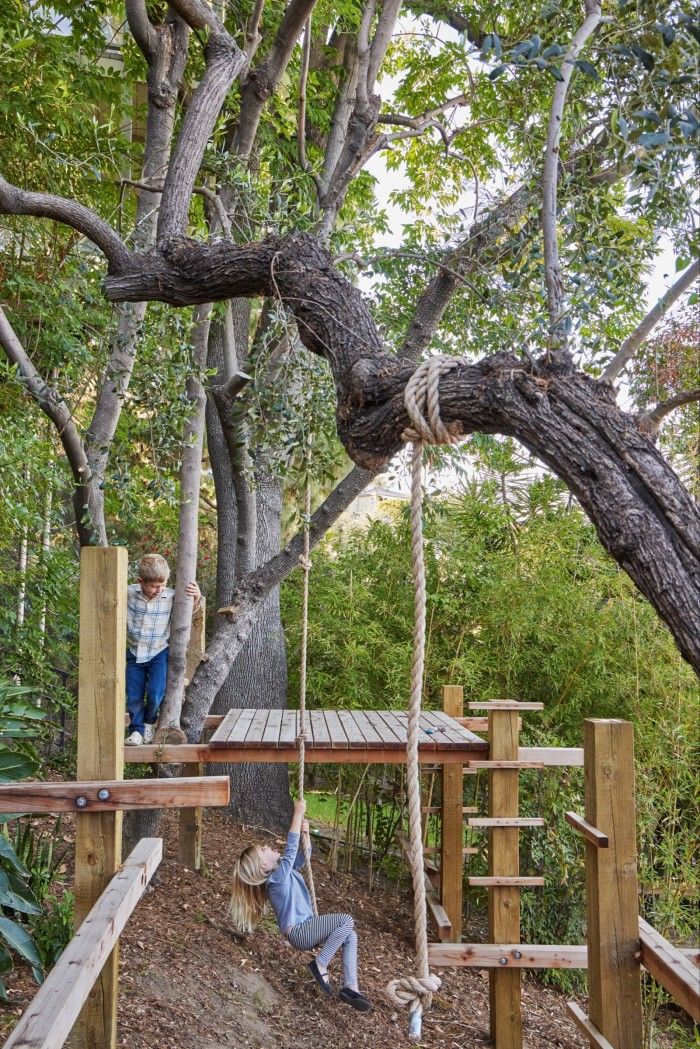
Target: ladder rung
(506, 821)
(504, 881)
(438, 808)
(506, 764)
(433, 851)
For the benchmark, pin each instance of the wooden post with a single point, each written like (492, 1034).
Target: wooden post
(451, 836)
(189, 847)
(101, 698)
(504, 861)
(611, 884)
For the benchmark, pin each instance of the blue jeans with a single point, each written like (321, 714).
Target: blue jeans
(145, 688)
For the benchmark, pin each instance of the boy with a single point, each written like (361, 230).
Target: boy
(149, 605)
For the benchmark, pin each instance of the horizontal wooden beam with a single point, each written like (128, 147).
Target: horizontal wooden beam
(48, 1019)
(176, 754)
(506, 821)
(434, 851)
(553, 756)
(113, 795)
(590, 833)
(501, 881)
(671, 968)
(505, 704)
(477, 764)
(438, 808)
(509, 955)
(584, 1024)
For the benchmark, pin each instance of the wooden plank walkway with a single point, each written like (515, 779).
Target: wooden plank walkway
(342, 729)
(342, 736)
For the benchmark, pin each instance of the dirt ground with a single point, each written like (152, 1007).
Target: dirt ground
(189, 982)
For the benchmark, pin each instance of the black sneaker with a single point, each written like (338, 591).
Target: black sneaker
(322, 979)
(355, 999)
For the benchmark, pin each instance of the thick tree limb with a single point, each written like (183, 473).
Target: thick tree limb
(264, 78)
(643, 515)
(14, 201)
(657, 313)
(552, 269)
(224, 62)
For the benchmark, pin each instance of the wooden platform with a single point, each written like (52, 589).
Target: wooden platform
(333, 736)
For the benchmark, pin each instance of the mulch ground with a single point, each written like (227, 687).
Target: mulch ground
(188, 981)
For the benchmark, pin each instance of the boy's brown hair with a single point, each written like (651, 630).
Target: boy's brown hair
(153, 569)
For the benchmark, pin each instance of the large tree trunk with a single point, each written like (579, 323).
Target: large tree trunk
(258, 678)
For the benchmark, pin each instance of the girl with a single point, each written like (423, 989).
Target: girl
(262, 874)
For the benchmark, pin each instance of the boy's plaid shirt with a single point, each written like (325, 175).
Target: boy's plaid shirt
(147, 622)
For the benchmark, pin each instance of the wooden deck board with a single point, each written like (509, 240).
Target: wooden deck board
(271, 735)
(372, 738)
(288, 730)
(352, 730)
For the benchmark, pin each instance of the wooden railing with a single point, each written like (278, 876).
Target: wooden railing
(49, 1019)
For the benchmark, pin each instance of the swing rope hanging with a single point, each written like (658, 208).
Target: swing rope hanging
(422, 402)
(305, 563)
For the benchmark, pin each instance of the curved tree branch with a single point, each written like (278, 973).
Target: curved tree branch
(56, 409)
(141, 29)
(657, 313)
(14, 201)
(651, 421)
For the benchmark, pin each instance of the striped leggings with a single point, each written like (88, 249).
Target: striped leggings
(335, 930)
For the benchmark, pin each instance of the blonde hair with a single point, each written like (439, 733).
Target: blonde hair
(153, 569)
(248, 896)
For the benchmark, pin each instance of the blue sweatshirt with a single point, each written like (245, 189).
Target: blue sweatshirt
(286, 888)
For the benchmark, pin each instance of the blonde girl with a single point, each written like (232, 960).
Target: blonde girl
(263, 875)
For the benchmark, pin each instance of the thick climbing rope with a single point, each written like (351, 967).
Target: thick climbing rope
(305, 563)
(422, 402)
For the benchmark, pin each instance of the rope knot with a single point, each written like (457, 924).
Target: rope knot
(305, 563)
(422, 402)
(413, 991)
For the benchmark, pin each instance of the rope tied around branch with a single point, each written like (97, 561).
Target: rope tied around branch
(422, 402)
(305, 564)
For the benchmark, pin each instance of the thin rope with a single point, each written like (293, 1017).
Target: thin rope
(421, 394)
(305, 563)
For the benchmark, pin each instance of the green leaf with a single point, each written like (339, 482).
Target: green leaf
(645, 57)
(9, 854)
(19, 940)
(682, 263)
(648, 114)
(651, 139)
(588, 68)
(3, 991)
(496, 72)
(554, 71)
(694, 29)
(14, 766)
(6, 963)
(553, 51)
(668, 33)
(17, 903)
